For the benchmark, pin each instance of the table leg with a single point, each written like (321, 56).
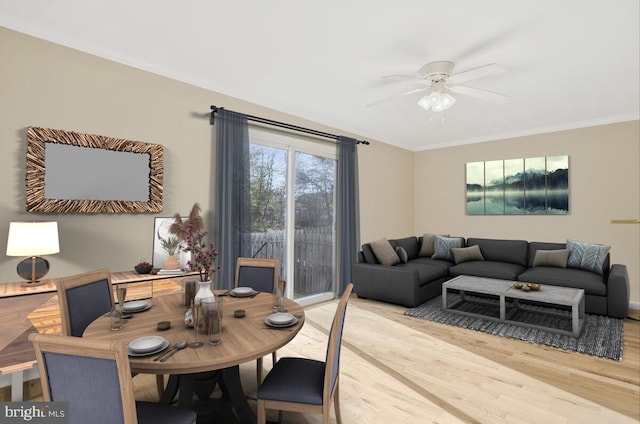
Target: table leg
(503, 308)
(577, 314)
(170, 390)
(444, 299)
(186, 384)
(233, 386)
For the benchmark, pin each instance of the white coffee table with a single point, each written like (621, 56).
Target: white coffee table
(510, 296)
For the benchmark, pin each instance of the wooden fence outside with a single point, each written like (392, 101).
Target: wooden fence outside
(313, 256)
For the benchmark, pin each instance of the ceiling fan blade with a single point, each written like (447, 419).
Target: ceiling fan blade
(479, 93)
(479, 72)
(403, 77)
(406, 93)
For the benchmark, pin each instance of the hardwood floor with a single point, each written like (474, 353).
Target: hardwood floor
(398, 369)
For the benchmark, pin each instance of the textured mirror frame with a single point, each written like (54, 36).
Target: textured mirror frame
(36, 169)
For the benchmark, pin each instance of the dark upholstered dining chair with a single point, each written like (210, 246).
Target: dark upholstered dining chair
(262, 275)
(82, 299)
(94, 377)
(307, 385)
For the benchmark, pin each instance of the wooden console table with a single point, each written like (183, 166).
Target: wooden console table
(25, 310)
(119, 277)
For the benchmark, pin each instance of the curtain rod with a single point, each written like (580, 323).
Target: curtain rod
(271, 122)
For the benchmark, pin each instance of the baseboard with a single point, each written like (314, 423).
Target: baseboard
(634, 305)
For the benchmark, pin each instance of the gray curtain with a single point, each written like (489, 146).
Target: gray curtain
(233, 219)
(347, 209)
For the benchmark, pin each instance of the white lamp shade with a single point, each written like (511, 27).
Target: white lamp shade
(32, 239)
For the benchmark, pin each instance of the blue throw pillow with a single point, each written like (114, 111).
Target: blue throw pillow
(442, 247)
(587, 256)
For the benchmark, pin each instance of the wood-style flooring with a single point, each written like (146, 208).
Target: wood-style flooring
(398, 369)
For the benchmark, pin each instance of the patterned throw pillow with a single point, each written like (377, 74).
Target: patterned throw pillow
(555, 258)
(427, 248)
(402, 254)
(442, 247)
(466, 254)
(384, 252)
(587, 256)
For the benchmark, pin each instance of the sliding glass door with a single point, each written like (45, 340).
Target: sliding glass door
(292, 210)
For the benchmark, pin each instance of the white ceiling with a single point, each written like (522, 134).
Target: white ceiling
(571, 63)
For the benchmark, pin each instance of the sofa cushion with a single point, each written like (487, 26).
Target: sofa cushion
(442, 247)
(534, 246)
(587, 256)
(442, 263)
(369, 256)
(427, 245)
(402, 254)
(511, 251)
(409, 244)
(426, 273)
(466, 254)
(553, 258)
(590, 282)
(488, 269)
(384, 252)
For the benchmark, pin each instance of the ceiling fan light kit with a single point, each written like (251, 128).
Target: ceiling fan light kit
(439, 80)
(437, 101)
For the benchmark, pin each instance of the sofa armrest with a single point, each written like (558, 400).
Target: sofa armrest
(393, 284)
(618, 291)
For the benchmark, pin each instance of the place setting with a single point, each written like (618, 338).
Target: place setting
(243, 292)
(145, 346)
(135, 306)
(280, 320)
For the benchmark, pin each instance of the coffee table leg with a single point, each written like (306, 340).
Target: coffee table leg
(577, 315)
(503, 308)
(444, 298)
(233, 385)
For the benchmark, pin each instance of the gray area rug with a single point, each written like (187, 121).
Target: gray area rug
(601, 336)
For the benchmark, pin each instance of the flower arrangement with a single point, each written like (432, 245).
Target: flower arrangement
(192, 232)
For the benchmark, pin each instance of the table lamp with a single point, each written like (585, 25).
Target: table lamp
(32, 239)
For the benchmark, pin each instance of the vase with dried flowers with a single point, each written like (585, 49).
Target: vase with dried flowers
(192, 232)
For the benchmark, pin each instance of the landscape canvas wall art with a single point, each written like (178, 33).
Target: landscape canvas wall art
(528, 186)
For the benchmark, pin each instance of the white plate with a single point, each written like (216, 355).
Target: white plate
(280, 318)
(242, 292)
(146, 344)
(135, 306)
(162, 347)
(289, 324)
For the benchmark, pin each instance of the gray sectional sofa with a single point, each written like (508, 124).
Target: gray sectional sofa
(422, 264)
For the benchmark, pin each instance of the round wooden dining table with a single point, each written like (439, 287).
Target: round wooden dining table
(242, 340)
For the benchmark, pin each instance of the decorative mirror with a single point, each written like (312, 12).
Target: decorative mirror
(69, 172)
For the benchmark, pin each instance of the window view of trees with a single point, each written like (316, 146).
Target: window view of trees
(313, 191)
(268, 175)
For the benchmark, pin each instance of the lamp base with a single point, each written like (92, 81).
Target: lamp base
(32, 269)
(30, 284)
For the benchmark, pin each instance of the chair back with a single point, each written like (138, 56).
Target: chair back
(332, 362)
(82, 299)
(93, 376)
(260, 274)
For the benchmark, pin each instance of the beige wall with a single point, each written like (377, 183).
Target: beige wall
(47, 85)
(604, 178)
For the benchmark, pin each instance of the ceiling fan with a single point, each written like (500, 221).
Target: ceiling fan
(439, 80)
